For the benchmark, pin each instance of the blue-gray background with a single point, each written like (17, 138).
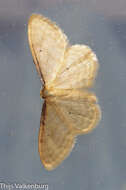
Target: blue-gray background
(98, 160)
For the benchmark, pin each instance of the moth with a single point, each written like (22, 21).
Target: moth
(66, 72)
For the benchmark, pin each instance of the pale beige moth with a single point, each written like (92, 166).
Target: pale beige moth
(67, 72)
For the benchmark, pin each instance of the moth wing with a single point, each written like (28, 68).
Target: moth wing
(79, 68)
(55, 138)
(62, 119)
(47, 43)
(79, 110)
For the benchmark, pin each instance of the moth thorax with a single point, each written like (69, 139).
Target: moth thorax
(44, 93)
